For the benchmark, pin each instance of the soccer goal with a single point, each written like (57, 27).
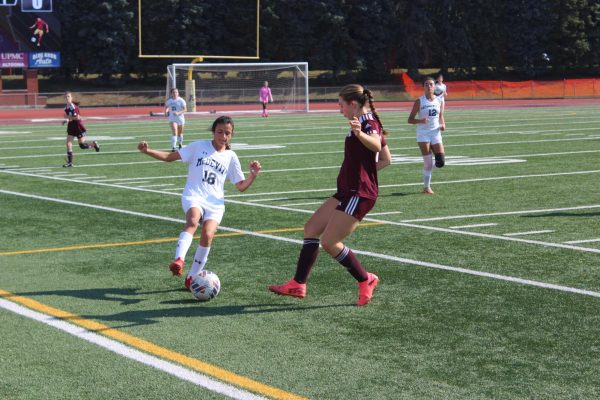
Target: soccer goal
(235, 86)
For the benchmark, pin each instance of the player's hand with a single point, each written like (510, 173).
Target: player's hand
(255, 167)
(143, 146)
(355, 126)
(442, 127)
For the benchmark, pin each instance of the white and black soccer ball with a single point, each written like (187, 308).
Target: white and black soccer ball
(205, 286)
(33, 39)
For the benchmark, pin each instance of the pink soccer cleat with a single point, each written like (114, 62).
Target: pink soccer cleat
(365, 289)
(290, 288)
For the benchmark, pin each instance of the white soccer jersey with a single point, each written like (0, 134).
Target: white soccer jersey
(176, 105)
(208, 169)
(430, 110)
(440, 89)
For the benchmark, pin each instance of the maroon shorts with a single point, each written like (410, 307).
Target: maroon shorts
(356, 206)
(76, 128)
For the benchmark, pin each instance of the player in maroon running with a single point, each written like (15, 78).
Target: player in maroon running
(41, 27)
(75, 128)
(365, 152)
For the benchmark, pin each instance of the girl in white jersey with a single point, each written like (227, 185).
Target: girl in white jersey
(175, 107)
(440, 87)
(430, 124)
(211, 162)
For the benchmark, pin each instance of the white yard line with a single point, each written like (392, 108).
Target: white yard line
(385, 213)
(157, 185)
(321, 143)
(583, 241)
(303, 204)
(469, 226)
(534, 211)
(528, 233)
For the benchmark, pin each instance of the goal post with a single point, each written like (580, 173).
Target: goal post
(235, 86)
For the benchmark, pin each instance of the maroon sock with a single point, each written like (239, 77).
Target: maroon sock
(69, 156)
(306, 260)
(349, 260)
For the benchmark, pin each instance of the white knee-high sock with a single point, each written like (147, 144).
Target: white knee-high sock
(427, 167)
(199, 260)
(180, 140)
(183, 245)
(173, 141)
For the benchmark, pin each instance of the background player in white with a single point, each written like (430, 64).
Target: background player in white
(440, 87)
(430, 123)
(175, 108)
(211, 162)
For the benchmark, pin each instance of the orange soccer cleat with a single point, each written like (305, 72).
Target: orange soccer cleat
(176, 267)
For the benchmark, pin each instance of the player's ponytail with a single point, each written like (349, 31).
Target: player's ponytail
(369, 97)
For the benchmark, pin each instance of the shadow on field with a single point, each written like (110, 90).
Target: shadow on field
(397, 194)
(189, 307)
(107, 294)
(146, 317)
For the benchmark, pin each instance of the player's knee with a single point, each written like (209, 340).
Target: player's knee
(330, 246)
(440, 160)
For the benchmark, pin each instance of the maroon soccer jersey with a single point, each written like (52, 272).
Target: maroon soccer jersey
(358, 174)
(74, 127)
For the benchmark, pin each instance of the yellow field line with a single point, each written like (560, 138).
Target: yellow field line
(151, 348)
(141, 242)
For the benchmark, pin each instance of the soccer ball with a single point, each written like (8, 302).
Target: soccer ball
(33, 39)
(205, 286)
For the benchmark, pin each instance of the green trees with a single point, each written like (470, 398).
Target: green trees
(519, 38)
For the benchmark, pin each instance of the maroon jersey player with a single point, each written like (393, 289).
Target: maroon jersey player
(365, 152)
(41, 27)
(75, 128)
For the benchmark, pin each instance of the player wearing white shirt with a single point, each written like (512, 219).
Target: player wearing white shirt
(440, 88)
(430, 123)
(211, 163)
(175, 107)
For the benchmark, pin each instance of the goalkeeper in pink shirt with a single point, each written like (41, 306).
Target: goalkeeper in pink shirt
(265, 96)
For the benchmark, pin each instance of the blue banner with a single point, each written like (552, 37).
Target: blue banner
(44, 59)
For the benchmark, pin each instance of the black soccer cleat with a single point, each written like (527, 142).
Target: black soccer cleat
(68, 165)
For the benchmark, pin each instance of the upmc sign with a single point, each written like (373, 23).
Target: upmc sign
(13, 60)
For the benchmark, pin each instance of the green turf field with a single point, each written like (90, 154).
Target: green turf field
(489, 289)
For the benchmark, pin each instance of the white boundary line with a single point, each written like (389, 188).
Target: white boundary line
(131, 353)
(528, 233)
(506, 278)
(473, 226)
(481, 235)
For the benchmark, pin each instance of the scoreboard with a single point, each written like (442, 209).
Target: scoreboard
(29, 34)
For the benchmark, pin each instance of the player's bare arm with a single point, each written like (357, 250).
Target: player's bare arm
(385, 158)
(413, 113)
(255, 168)
(158, 154)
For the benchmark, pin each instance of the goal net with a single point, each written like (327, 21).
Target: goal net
(235, 86)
